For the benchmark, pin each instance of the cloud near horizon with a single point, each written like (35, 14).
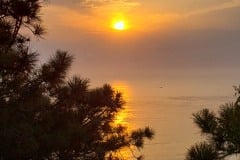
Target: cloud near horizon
(97, 3)
(92, 4)
(218, 7)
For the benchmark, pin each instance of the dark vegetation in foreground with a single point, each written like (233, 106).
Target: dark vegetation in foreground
(45, 116)
(222, 132)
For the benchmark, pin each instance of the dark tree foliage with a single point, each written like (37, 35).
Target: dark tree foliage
(45, 116)
(202, 151)
(222, 131)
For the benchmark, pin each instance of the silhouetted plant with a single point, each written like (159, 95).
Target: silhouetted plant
(202, 151)
(45, 116)
(222, 131)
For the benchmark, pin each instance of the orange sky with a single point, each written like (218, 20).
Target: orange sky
(142, 15)
(189, 45)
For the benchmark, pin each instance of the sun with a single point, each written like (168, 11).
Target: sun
(119, 25)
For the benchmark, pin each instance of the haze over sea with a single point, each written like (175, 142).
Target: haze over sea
(169, 116)
(176, 58)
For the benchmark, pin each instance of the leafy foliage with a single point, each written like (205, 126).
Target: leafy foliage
(45, 116)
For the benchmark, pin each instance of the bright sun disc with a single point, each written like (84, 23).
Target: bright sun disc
(119, 25)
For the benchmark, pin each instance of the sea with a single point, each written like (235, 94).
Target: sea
(171, 119)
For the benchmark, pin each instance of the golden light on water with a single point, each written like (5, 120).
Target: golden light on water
(121, 117)
(123, 88)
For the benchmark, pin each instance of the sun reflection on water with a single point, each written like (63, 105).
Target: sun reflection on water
(123, 115)
(124, 118)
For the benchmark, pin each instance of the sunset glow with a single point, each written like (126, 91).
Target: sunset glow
(119, 25)
(169, 59)
(125, 90)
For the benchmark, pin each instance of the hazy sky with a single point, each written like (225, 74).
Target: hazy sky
(190, 45)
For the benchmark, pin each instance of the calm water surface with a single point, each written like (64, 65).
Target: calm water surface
(171, 118)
